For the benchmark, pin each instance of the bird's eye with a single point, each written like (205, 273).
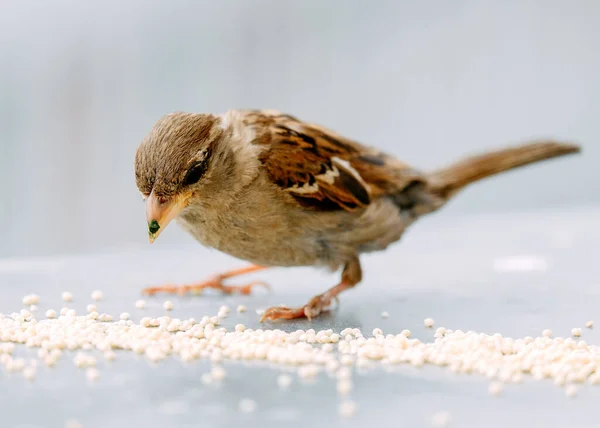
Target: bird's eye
(195, 173)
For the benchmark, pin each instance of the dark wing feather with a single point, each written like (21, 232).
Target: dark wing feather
(323, 170)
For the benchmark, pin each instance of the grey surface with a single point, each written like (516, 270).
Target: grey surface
(444, 269)
(82, 82)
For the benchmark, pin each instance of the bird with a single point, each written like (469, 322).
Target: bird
(276, 191)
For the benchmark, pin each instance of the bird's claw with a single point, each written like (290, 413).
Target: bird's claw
(311, 310)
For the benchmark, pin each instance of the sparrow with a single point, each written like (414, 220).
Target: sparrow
(273, 190)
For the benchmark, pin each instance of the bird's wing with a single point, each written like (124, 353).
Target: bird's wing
(323, 170)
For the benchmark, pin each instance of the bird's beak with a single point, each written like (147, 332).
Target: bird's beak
(160, 212)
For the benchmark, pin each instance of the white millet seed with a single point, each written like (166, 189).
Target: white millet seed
(97, 295)
(104, 317)
(428, 322)
(571, 391)
(309, 371)
(247, 405)
(377, 332)
(218, 373)
(284, 381)
(495, 389)
(547, 333)
(33, 308)
(589, 324)
(31, 299)
(91, 308)
(51, 313)
(344, 387)
(29, 373)
(385, 314)
(344, 373)
(441, 419)
(260, 311)
(140, 304)
(72, 423)
(405, 333)
(348, 409)
(110, 355)
(67, 296)
(168, 305)
(346, 360)
(241, 308)
(92, 374)
(576, 332)
(124, 316)
(240, 328)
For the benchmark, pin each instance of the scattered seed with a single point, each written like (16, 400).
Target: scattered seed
(168, 305)
(385, 315)
(348, 409)
(110, 355)
(92, 374)
(284, 381)
(344, 387)
(31, 299)
(571, 391)
(140, 304)
(589, 324)
(247, 405)
(495, 389)
(97, 295)
(29, 373)
(67, 296)
(241, 308)
(441, 419)
(72, 423)
(576, 332)
(428, 322)
(218, 373)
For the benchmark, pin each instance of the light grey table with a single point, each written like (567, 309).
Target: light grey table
(447, 268)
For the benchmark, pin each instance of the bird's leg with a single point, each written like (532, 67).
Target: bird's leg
(215, 283)
(351, 275)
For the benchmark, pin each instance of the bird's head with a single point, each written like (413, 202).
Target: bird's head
(175, 163)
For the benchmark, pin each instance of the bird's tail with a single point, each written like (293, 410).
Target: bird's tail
(445, 182)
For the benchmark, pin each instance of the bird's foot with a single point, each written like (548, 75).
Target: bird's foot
(311, 310)
(215, 283)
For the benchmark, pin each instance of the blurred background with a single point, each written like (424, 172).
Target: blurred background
(81, 83)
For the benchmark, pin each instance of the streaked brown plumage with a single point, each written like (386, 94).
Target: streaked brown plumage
(275, 191)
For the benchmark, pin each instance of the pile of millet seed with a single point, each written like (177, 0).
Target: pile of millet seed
(567, 361)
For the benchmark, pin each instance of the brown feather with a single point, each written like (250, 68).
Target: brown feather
(301, 156)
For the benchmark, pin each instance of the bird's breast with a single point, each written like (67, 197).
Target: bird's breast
(260, 233)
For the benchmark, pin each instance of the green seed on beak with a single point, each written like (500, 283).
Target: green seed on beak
(153, 227)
